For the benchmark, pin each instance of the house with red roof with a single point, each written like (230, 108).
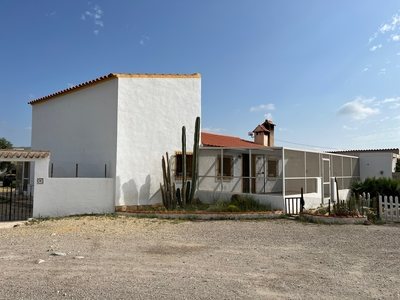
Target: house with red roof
(106, 137)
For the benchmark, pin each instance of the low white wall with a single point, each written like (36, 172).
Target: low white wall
(71, 196)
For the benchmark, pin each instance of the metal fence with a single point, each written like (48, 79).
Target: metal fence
(16, 203)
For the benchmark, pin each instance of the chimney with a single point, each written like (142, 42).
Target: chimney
(264, 134)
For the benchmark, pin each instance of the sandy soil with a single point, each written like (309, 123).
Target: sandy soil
(129, 258)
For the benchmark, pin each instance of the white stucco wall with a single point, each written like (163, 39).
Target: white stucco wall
(208, 171)
(79, 127)
(71, 196)
(376, 164)
(151, 113)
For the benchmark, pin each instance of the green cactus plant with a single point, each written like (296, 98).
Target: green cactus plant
(195, 161)
(184, 179)
(168, 190)
(184, 196)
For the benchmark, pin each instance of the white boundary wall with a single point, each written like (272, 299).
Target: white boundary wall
(71, 196)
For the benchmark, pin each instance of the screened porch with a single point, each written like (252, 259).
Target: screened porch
(272, 173)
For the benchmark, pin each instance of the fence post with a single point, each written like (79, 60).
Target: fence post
(76, 170)
(302, 202)
(10, 207)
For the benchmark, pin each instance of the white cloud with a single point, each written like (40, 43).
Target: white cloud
(382, 71)
(268, 116)
(51, 14)
(263, 107)
(95, 13)
(376, 47)
(396, 37)
(143, 40)
(358, 109)
(365, 69)
(373, 37)
(385, 28)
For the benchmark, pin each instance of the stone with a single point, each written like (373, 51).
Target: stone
(58, 254)
(79, 257)
(39, 261)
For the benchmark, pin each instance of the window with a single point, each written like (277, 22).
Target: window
(227, 165)
(272, 168)
(179, 167)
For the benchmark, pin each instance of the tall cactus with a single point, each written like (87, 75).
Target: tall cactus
(168, 190)
(170, 195)
(183, 194)
(195, 160)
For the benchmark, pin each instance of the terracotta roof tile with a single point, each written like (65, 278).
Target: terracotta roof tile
(109, 77)
(26, 154)
(218, 140)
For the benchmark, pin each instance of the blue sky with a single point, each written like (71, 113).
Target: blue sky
(326, 72)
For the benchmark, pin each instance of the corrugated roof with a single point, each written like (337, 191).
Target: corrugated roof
(218, 140)
(394, 150)
(26, 154)
(108, 77)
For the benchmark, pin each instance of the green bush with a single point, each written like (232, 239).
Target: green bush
(247, 203)
(377, 186)
(232, 208)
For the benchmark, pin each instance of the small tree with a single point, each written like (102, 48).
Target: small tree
(397, 166)
(5, 144)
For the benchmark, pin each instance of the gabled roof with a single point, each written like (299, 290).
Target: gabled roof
(267, 126)
(260, 128)
(109, 77)
(219, 140)
(27, 154)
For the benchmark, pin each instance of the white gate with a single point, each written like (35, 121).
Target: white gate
(389, 208)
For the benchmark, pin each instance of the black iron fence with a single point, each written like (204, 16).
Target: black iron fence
(16, 202)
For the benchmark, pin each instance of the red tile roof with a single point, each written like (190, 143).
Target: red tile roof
(108, 77)
(26, 154)
(218, 140)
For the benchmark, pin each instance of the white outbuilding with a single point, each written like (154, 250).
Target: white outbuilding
(117, 126)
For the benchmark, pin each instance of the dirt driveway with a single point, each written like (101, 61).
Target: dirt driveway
(128, 258)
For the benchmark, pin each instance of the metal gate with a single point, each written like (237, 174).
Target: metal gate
(16, 203)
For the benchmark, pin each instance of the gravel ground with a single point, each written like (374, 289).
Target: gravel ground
(129, 258)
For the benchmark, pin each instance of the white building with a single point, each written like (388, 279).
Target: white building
(117, 126)
(375, 163)
(273, 175)
(105, 139)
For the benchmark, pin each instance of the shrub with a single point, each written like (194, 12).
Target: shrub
(232, 208)
(247, 203)
(377, 186)
(344, 209)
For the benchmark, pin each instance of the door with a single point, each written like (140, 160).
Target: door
(326, 183)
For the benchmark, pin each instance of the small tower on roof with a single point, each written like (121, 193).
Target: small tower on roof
(264, 134)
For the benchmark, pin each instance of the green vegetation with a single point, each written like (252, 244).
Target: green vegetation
(5, 144)
(173, 197)
(238, 203)
(377, 186)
